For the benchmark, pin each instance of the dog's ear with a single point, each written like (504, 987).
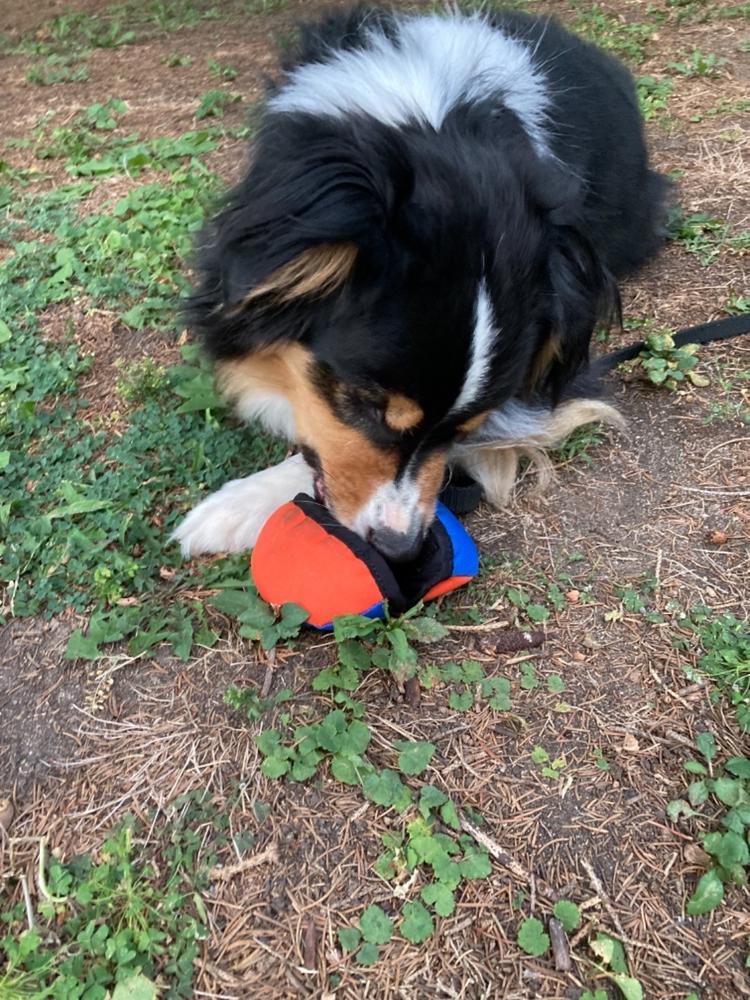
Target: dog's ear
(581, 290)
(312, 207)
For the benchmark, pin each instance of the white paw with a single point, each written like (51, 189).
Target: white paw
(230, 519)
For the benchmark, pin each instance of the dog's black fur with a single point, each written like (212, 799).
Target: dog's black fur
(430, 212)
(423, 207)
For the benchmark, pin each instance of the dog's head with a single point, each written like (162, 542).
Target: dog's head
(375, 292)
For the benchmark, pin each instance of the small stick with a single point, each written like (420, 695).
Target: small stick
(27, 902)
(503, 858)
(222, 873)
(598, 888)
(268, 679)
(560, 946)
(310, 944)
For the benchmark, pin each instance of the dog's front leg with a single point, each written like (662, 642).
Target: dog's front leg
(230, 519)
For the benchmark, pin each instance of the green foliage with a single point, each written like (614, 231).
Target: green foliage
(724, 655)
(664, 364)
(417, 924)
(653, 96)
(532, 938)
(119, 921)
(257, 620)
(698, 63)
(414, 757)
(221, 70)
(249, 701)
(704, 235)
(611, 953)
(57, 69)
(568, 914)
(214, 103)
(375, 925)
(729, 787)
(626, 39)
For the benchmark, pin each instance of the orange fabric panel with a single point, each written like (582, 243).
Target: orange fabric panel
(296, 561)
(445, 587)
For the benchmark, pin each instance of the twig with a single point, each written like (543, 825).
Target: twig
(27, 902)
(503, 858)
(222, 873)
(596, 884)
(268, 679)
(310, 945)
(483, 627)
(560, 947)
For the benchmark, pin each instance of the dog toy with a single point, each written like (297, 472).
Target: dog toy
(305, 556)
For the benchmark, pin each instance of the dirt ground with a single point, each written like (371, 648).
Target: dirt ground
(80, 748)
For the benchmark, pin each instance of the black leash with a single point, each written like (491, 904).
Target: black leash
(704, 333)
(461, 493)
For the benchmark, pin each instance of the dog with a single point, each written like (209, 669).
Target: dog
(435, 217)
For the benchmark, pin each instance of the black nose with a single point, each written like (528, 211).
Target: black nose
(395, 546)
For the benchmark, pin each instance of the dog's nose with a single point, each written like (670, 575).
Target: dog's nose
(396, 546)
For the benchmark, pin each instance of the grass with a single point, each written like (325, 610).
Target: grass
(626, 39)
(123, 917)
(698, 64)
(85, 512)
(705, 236)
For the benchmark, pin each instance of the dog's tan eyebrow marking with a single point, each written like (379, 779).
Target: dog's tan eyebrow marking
(472, 423)
(402, 413)
(550, 351)
(317, 271)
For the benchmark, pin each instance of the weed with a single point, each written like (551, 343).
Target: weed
(726, 106)
(221, 71)
(724, 641)
(697, 63)
(140, 380)
(128, 916)
(214, 103)
(577, 445)
(661, 363)
(254, 706)
(627, 39)
(82, 518)
(57, 69)
(726, 789)
(737, 304)
(175, 59)
(653, 95)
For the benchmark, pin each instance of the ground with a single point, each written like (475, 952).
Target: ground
(636, 532)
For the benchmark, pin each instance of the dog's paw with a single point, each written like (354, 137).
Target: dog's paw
(230, 519)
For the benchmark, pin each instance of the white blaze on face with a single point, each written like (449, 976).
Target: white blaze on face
(394, 506)
(480, 356)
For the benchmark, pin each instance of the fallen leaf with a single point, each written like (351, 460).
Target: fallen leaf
(695, 855)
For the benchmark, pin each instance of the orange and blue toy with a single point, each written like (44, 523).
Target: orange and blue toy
(305, 556)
